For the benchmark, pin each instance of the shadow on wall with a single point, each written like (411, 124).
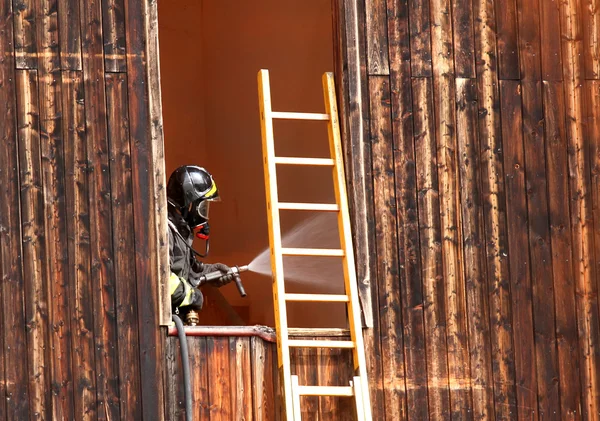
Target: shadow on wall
(211, 52)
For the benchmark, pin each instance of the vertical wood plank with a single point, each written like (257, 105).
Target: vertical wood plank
(16, 382)
(390, 313)
(430, 242)
(444, 95)
(464, 41)
(25, 34)
(420, 38)
(199, 357)
(174, 384)
(520, 280)
(78, 229)
(113, 23)
(492, 175)
(53, 164)
(70, 34)
(549, 18)
(123, 245)
(539, 249)
(102, 255)
(264, 361)
(34, 253)
(507, 39)
(334, 368)
(529, 38)
(240, 379)
(564, 283)
(218, 378)
(582, 227)
(406, 202)
(305, 363)
(358, 151)
(150, 338)
(590, 21)
(377, 40)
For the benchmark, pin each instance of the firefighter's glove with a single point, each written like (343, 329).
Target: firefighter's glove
(223, 280)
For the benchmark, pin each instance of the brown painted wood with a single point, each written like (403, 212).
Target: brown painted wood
(507, 39)
(102, 255)
(240, 378)
(518, 253)
(430, 242)
(197, 349)
(25, 48)
(78, 228)
(492, 176)
(377, 39)
(420, 38)
(529, 39)
(113, 24)
(219, 389)
(123, 245)
(464, 48)
(32, 220)
(69, 35)
(564, 284)
(581, 209)
(590, 27)
(390, 313)
(406, 202)
(549, 20)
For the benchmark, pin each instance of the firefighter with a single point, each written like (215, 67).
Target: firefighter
(190, 191)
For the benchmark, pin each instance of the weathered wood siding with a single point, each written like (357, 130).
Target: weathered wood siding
(472, 131)
(79, 309)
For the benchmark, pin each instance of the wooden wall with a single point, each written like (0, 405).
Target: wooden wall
(472, 130)
(79, 264)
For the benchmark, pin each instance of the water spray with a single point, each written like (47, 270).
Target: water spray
(235, 271)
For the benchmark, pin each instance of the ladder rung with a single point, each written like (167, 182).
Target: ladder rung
(303, 161)
(299, 116)
(330, 298)
(312, 252)
(327, 207)
(325, 391)
(310, 343)
(318, 332)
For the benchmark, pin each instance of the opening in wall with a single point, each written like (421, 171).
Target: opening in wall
(210, 54)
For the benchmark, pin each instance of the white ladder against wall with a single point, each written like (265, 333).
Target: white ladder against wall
(357, 386)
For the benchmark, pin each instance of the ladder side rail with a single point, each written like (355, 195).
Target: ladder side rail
(268, 143)
(335, 145)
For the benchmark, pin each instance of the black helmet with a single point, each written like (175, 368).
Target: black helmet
(189, 189)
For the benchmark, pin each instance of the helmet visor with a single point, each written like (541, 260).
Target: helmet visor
(203, 208)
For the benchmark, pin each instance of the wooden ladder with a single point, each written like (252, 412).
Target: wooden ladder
(356, 387)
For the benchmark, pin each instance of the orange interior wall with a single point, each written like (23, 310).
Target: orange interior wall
(211, 52)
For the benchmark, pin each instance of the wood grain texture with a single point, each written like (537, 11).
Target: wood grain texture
(420, 38)
(550, 53)
(240, 378)
(34, 252)
(590, 26)
(264, 372)
(430, 242)
(102, 254)
(464, 39)
(507, 39)
(123, 245)
(25, 36)
(529, 39)
(390, 305)
(407, 213)
(113, 31)
(218, 378)
(15, 350)
(492, 176)
(78, 228)
(519, 259)
(150, 339)
(581, 208)
(377, 39)
(70, 39)
(562, 257)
